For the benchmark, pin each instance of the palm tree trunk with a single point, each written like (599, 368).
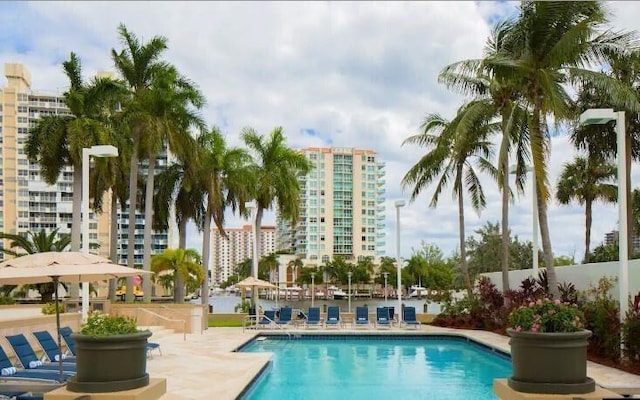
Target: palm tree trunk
(463, 249)
(206, 248)
(133, 192)
(178, 287)
(537, 146)
(504, 155)
(588, 218)
(113, 245)
(148, 223)
(76, 222)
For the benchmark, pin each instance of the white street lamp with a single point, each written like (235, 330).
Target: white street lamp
(398, 204)
(95, 151)
(313, 287)
(349, 275)
(253, 208)
(534, 212)
(386, 274)
(597, 116)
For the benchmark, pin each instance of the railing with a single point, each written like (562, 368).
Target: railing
(253, 321)
(162, 317)
(168, 309)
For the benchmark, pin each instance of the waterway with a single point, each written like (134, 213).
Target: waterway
(226, 304)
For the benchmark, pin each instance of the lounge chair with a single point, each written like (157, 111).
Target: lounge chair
(29, 359)
(9, 371)
(66, 332)
(362, 317)
(382, 318)
(285, 316)
(333, 317)
(268, 319)
(409, 318)
(392, 314)
(50, 347)
(313, 318)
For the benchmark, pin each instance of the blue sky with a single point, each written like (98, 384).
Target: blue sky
(354, 74)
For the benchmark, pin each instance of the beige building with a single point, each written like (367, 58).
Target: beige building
(228, 253)
(27, 203)
(341, 210)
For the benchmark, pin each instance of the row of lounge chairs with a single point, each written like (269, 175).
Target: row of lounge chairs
(384, 318)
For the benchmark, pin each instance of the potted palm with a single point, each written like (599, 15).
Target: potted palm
(549, 348)
(111, 355)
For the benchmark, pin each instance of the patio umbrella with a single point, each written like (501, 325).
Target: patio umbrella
(59, 267)
(255, 283)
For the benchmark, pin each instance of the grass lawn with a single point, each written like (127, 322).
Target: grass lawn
(225, 324)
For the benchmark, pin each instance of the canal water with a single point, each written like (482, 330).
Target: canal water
(226, 304)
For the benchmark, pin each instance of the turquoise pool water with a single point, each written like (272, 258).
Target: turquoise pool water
(365, 367)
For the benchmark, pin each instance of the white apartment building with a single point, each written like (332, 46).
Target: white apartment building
(228, 253)
(342, 209)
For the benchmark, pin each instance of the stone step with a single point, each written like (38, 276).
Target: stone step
(158, 331)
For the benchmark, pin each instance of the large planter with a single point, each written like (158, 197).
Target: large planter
(110, 363)
(550, 363)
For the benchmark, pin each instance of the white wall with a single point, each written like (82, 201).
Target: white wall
(580, 275)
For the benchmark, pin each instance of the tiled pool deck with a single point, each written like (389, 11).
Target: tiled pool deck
(205, 366)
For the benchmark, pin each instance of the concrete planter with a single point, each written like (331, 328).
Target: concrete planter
(550, 363)
(110, 363)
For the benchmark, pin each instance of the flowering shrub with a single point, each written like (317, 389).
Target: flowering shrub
(545, 315)
(99, 324)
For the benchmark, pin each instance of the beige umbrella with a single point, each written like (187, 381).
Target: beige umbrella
(255, 282)
(58, 267)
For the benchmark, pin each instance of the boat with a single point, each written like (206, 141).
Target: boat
(337, 293)
(417, 292)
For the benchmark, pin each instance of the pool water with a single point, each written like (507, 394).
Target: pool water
(365, 367)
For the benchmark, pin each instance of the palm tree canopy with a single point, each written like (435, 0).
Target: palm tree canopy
(185, 262)
(585, 180)
(32, 243)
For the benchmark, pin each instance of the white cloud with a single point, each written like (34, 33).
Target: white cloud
(360, 74)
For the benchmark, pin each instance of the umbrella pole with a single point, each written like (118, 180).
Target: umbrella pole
(55, 288)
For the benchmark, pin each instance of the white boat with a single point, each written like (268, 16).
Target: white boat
(417, 291)
(337, 293)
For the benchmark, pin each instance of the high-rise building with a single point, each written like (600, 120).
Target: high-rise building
(27, 203)
(342, 209)
(612, 237)
(236, 248)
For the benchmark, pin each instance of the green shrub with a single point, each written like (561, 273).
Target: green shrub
(50, 308)
(243, 306)
(99, 324)
(6, 300)
(545, 315)
(601, 314)
(631, 332)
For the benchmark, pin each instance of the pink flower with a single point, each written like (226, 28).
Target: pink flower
(518, 328)
(534, 328)
(539, 302)
(558, 301)
(532, 304)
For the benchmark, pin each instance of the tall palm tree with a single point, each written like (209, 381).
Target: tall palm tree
(495, 92)
(276, 170)
(57, 141)
(452, 147)
(184, 264)
(586, 180)
(226, 181)
(156, 88)
(32, 243)
(550, 45)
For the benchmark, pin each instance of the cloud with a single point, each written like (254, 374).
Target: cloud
(355, 74)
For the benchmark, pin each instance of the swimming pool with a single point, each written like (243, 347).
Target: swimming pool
(376, 367)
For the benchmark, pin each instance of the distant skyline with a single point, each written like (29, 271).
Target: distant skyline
(356, 74)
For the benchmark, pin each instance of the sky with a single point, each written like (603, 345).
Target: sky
(347, 74)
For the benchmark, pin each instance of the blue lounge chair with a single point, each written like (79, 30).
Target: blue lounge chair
(362, 317)
(285, 316)
(313, 318)
(28, 357)
(409, 318)
(50, 347)
(382, 318)
(392, 313)
(9, 371)
(268, 319)
(333, 317)
(66, 332)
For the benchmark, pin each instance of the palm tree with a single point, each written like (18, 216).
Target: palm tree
(451, 148)
(57, 141)
(549, 45)
(276, 171)
(32, 243)
(184, 264)
(159, 111)
(226, 181)
(585, 180)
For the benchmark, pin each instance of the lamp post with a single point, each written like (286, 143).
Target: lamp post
(597, 116)
(386, 274)
(399, 204)
(313, 287)
(253, 208)
(95, 151)
(349, 275)
(534, 218)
